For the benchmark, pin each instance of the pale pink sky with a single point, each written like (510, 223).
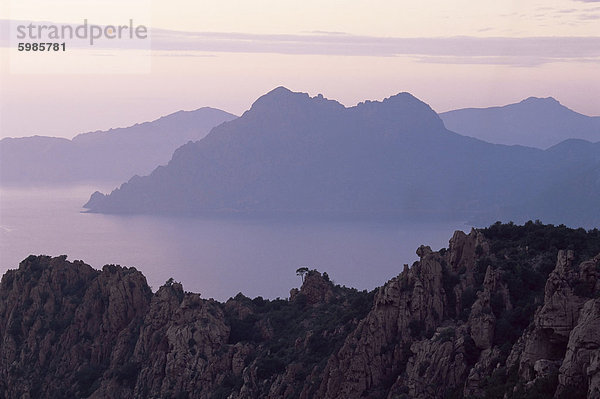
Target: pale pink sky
(226, 54)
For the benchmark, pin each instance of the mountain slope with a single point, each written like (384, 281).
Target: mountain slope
(112, 155)
(505, 311)
(533, 122)
(292, 154)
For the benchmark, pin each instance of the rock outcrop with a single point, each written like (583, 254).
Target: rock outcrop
(500, 313)
(404, 308)
(57, 318)
(316, 289)
(581, 364)
(543, 349)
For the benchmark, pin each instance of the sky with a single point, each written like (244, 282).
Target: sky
(225, 54)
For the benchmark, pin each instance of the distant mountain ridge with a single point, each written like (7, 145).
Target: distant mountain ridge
(111, 155)
(534, 122)
(293, 154)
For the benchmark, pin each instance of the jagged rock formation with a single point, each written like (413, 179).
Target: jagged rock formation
(583, 354)
(507, 311)
(57, 318)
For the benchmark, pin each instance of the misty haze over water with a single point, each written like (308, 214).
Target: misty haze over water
(217, 257)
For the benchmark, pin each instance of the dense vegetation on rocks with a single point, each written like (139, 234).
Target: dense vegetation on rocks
(506, 311)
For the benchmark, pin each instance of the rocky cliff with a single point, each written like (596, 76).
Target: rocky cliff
(503, 312)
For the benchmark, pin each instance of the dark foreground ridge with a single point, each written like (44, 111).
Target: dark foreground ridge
(508, 311)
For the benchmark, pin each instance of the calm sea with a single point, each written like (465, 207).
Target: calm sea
(217, 257)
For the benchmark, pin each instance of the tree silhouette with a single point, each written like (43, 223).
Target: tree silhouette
(302, 272)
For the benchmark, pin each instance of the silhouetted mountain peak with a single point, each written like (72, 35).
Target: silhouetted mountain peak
(281, 91)
(404, 108)
(400, 107)
(403, 97)
(278, 96)
(536, 122)
(539, 104)
(282, 100)
(399, 102)
(108, 155)
(540, 100)
(293, 154)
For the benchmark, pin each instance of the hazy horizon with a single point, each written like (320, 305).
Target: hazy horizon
(215, 256)
(164, 114)
(225, 56)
